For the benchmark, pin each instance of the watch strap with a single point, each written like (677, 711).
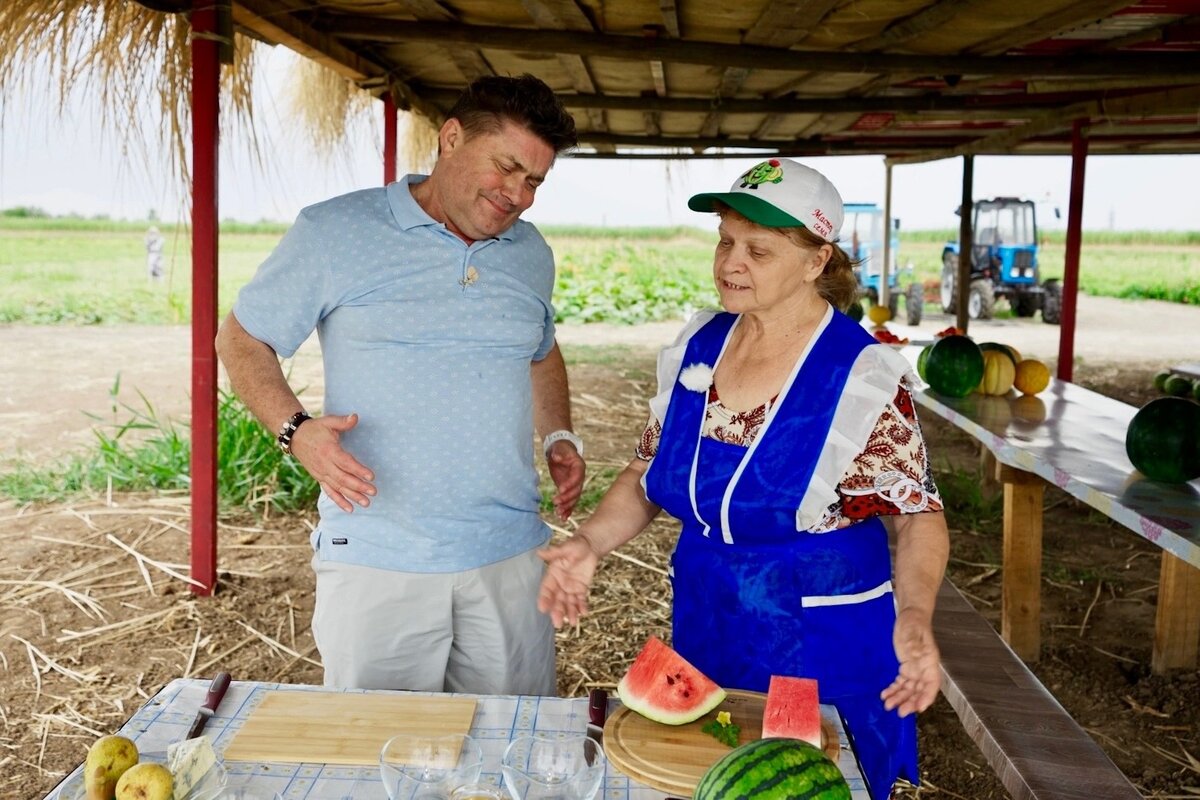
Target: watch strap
(559, 436)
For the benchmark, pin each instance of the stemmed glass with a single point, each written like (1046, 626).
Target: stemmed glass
(549, 767)
(416, 767)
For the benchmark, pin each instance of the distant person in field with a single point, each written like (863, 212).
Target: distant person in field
(154, 253)
(785, 440)
(431, 298)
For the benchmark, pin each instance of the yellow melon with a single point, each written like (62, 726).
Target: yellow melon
(998, 373)
(1032, 376)
(879, 314)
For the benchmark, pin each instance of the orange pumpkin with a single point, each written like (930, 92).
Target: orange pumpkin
(998, 373)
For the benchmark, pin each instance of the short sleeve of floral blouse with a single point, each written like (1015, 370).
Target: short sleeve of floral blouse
(890, 476)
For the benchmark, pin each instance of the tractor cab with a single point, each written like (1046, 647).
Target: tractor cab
(862, 239)
(1004, 263)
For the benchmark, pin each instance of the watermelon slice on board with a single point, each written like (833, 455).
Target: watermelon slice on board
(661, 685)
(793, 710)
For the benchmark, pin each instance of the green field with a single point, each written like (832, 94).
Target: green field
(93, 271)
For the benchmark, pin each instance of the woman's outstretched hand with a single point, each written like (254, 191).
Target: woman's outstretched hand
(916, 687)
(569, 570)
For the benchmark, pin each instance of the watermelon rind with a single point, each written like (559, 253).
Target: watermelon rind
(773, 769)
(662, 686)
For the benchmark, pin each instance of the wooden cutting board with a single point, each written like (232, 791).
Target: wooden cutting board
(673, 758)
(341, 728)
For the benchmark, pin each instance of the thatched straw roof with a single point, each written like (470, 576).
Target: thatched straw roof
(912, 79)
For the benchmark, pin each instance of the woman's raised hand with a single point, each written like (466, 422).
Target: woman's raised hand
(569, 570)
(916, 687)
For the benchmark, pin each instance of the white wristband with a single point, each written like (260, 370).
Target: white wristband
(558, 436)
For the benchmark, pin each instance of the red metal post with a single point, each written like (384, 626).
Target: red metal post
(206, 73)
(389, 138)
(1070, 287)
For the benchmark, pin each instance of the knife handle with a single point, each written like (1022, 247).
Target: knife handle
(216, 690)
(597, 706)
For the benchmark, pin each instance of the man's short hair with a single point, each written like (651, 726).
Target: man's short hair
(493, 99)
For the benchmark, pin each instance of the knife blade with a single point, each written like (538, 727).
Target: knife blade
(597, 712)
(216, 691)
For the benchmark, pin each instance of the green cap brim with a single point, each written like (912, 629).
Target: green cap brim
(752, 208)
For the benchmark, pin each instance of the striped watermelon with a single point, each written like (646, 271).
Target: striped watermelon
(773, 769)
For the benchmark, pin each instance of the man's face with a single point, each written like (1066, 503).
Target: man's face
(487, 180)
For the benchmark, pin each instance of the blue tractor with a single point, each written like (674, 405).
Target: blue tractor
(862, 239)
(1004, 263)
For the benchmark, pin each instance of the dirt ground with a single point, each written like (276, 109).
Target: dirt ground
(95, 616)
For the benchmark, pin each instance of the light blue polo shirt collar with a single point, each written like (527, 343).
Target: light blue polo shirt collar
(408, 212)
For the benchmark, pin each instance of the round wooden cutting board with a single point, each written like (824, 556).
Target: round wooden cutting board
(673, 758)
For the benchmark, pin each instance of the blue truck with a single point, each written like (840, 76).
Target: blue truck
(1004, 263)
(862, 239)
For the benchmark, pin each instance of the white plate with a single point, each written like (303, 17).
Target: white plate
(209, 788)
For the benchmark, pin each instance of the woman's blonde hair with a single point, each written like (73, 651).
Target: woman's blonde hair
(836, 284)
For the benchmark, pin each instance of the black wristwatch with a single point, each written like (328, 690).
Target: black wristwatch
(289, 430)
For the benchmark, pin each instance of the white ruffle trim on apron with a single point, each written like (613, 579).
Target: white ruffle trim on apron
(871, 386)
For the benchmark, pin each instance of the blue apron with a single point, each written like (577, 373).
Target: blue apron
(753, 597)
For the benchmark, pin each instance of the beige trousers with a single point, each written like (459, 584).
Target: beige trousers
(477, 631)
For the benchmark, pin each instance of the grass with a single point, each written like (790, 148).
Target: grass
(140, 451)
(92, 271)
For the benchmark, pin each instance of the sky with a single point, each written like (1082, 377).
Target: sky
(67, 164)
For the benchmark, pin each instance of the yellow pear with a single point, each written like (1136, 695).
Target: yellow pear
(107, 760)
(146, 781)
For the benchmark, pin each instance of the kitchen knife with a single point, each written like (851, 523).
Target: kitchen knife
(597, 711)
(216, 691)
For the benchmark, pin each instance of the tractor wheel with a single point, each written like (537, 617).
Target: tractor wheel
(914, 303)
(894, 302)
(982, 300)
(1052, 302)
(1025, 304)
(949, 276)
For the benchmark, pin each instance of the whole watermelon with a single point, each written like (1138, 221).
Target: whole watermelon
(923, 362)
(773, 769)
(1163, 440)
(954, 366)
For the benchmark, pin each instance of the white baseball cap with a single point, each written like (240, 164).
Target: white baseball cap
(781, 193)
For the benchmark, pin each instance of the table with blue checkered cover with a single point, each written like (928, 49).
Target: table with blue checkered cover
(498, 719)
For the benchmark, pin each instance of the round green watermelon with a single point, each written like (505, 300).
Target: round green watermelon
(955, 366)
(1000, 348)
(855, 311)
(773, 769)
(1163, 440)
(922, 361)
(1177, 386)
(1160, 379)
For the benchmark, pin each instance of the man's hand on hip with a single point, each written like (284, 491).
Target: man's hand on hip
(566, 470)
(317, 446)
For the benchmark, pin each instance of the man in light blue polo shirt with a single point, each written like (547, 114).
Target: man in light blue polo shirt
(431, 299)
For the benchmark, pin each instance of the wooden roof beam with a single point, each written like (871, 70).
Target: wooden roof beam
(1052, 24)
(469, 60)
(637, 48)
(274, 22)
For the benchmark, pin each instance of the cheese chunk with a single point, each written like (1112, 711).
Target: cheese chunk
(189, 761)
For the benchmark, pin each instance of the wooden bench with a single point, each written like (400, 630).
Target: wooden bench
(1030, 741)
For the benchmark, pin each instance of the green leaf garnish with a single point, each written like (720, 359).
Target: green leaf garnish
(725, 734)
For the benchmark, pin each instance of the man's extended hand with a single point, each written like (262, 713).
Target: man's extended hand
(566, 470)
(317, 446)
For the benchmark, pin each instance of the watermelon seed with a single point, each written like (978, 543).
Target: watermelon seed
(670, 680)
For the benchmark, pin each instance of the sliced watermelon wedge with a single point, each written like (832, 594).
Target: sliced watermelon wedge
(792, 710)
(661, 685)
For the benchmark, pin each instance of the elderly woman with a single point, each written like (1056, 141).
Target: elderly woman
(784, 439)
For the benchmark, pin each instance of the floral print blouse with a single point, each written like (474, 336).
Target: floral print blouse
(890, 476)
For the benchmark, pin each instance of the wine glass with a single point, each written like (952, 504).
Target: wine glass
(420, 767)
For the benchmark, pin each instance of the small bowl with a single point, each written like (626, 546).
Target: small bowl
(415, 767)
(563, 767)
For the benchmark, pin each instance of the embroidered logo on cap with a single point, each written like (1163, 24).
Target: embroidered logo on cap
(766, 172)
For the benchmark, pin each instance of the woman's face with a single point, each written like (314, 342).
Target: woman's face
(759, 269)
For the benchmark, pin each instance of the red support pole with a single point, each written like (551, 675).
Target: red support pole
(1070, 288)
(206, 73)
(389, 138)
